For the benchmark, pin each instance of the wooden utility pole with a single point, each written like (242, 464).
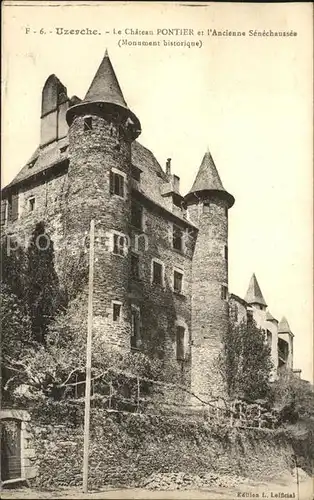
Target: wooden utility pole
(88, 354)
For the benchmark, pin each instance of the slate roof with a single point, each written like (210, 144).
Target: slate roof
(105, 86)
(153, 177)
(283, 326)
(254, 294)
(270, 317)
(41, 160)
(207, 179)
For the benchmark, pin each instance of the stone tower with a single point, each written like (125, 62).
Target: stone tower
(207, 204)
(285, 344)
(101, 131)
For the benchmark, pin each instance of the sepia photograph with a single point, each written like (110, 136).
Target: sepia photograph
(156, 250)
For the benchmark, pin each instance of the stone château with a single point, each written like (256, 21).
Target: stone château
(161, 259)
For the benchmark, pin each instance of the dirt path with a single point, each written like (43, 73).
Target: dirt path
(283, 488)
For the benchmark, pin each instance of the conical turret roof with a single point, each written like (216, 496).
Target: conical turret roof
(104, 93)
(254, 294)
(270, 317)
(105, 86)
(208, 180)
(283, 326)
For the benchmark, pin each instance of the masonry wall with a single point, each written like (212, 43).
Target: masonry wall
(126, 449)
(209, 309)
(50, 206)
(161, 308)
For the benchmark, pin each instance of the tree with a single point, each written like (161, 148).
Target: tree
(293, 397)
(56, 370)
(246, 361)
(16, 341)
(43, 294)
(14, 267)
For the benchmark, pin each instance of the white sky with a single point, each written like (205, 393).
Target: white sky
(249, 99)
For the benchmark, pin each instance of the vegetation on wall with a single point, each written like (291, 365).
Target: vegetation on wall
(246, 362)
(43, 294)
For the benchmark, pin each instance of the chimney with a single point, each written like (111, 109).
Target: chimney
(168, 166)
(176, 183)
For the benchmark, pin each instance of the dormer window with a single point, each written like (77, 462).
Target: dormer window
(31, 163)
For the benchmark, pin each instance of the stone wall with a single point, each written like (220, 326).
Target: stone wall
(210, 313)
(50, 203)
(126, 449)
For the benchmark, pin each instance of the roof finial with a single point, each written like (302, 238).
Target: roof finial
(106, 53)
(207, 150)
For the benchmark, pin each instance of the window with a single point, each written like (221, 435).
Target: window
(88, 123)
(3, 212)
(177, 239)
(135, 326)
(31, 203)
(116, 184)
(135, 266)
(224, 292)
(136, 173)
(13, 207)
(269, 338)
(31, 164)
(177, 281)
(157, 273)
(136, 215)
(116, 311)
(119, 244)
(206, 207)
(180, 333)
(226, 211)
(226, 252)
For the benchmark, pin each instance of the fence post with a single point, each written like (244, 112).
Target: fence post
(138, 394)
(259, 417)
(110, 395)
(231, 414)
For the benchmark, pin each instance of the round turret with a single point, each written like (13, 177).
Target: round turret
(207, 205)
(101, 130)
